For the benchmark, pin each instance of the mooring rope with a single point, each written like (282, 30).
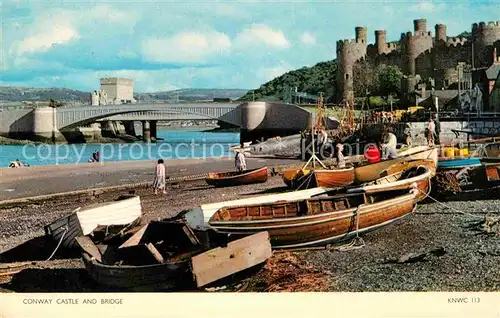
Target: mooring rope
(443, 204)
(357, 242)
(59, 244)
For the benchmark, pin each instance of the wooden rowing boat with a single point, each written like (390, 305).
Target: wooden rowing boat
(316, 221)
(291, 177)
(167, 275)
(402, 176)
(199, 216)
(370, 172)
(83, 221)
(334, 178)
(235, 178)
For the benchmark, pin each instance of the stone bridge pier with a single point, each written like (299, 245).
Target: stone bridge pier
(153, 130)
(146, 130)
(149, 130)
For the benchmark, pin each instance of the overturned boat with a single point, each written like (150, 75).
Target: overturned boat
(84, 220)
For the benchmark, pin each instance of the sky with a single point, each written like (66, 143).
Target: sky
(166, 45)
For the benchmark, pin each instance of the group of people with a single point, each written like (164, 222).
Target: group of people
(383, 150)
(17, 164)
(95, 157)
(382, 117)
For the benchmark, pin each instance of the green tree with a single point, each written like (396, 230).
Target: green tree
(363, 78)
(390, 80)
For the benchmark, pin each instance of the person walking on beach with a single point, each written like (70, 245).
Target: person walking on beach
(159, 181)
(431, 131)
(240, 161)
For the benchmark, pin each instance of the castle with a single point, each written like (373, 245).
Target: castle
(420, 55)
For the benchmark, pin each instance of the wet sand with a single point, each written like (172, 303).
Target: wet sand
(41, 180)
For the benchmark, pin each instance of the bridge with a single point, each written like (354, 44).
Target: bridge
(74, 116)
(46, 121)
(255, 119)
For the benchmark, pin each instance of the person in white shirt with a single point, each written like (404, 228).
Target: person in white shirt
(240, 161)
(389, 147)
(431, 131)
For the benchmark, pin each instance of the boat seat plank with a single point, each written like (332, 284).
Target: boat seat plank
(155, 253)
(221, 262)
(88, 246)
(136, 238)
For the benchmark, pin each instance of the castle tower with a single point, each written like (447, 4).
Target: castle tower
(380, 41)
(348, 52)
(118, 90)
(420, 26)
(415, 44)
(361, 34)
(440, 32)
(484, 36)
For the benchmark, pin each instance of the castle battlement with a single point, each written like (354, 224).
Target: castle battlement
(348, 42)
(484, 25)
(116, 80)
(454, 41)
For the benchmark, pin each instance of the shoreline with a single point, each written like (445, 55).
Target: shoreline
(49, 179)
(117, 139)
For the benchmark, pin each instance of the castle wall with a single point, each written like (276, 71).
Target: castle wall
(418, 53)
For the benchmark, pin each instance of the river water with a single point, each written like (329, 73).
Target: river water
(177, 144)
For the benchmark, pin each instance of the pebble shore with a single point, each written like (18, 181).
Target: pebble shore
(470, 262)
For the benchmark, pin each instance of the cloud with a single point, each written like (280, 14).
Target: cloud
(307, 38)
(186, 47)
(54, 27)
(426, 6)
(50, 29)
(259, 34)
(57, 34)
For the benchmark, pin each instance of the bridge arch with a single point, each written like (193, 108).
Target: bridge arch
(76, 116)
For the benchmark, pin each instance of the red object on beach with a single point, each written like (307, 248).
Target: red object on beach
(372, 154)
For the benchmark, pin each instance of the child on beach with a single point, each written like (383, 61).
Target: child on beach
(159, 181)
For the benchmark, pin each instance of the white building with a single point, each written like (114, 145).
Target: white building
(116, 90)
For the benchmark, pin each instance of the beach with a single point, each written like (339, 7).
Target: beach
(42, 180)
(468, 260)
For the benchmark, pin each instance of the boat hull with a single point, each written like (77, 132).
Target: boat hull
(167, 275)
(238, 178)
(83, 221)
(320, 178)
(458, 163)
(323, 228)
(370, 172)
(425, 170)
